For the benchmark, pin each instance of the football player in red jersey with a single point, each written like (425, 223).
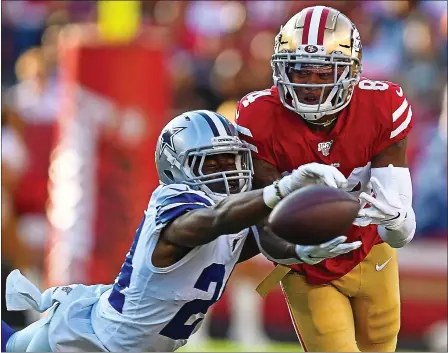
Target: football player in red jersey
(321, 110)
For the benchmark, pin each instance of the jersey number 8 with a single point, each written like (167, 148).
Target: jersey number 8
(373, 85)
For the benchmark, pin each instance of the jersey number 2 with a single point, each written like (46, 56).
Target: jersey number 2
(179, 327)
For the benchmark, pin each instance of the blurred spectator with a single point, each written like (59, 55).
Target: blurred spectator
(15, 252)
(34, 103)
(430, 181)
(14, 164)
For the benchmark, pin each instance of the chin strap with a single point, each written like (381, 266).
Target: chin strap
(323, 124)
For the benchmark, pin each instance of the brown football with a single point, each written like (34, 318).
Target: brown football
(313, 215)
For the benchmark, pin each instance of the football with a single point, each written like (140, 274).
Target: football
(313, 215)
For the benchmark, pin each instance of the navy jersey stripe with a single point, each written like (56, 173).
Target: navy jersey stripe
(116, 297)
(184, 198)
(167, 216)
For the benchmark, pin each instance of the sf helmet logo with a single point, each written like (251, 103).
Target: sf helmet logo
(311, 49)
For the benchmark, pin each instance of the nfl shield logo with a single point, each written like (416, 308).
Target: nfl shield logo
(324, 147)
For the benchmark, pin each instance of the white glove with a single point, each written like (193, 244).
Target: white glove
(307, 174)
(386, 209)
(313, 254)
(312, 173)
(361, 220)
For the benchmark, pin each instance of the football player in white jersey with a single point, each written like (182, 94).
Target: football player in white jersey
(194, 231)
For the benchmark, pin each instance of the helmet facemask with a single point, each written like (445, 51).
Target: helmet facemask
(344, 79)
(192, 165)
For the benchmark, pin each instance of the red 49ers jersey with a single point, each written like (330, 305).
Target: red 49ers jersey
(377, 116)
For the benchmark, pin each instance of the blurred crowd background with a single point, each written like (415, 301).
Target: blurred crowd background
(216, 52)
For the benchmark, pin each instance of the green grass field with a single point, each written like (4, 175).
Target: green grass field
(229, 346)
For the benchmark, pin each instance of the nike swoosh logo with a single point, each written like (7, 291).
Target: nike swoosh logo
(380, 267)
(400, 92)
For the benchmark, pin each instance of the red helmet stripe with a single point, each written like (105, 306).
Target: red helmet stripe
(322, 22)
(306, 26)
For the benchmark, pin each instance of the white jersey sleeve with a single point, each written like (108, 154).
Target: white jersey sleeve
(174, 200)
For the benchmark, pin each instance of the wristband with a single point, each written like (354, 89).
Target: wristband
(272, 195)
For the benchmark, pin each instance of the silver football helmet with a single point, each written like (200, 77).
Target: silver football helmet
(188, 139)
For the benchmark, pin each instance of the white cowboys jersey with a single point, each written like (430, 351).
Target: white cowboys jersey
(157, 309)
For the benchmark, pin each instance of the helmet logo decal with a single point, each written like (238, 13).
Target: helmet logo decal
(311, 49)
(167, 138)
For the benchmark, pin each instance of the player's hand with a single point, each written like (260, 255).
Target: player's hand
(361, 220)
(386, 209)
(312, 173)
(313, 254)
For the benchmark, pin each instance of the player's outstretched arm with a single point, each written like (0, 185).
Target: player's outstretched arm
(392, 185)
(231, 215)
(239, 211)
(203, 225)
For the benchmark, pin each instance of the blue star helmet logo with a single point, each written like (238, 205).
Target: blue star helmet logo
(167, 138)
